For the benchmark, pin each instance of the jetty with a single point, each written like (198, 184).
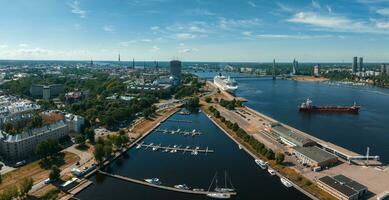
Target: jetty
(193, 191)
(174, 148)
(179, 131)
(179, 120)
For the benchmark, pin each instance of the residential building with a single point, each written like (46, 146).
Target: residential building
(175, 69)
(74, 122)
(316, 70)
(20, 146)
(46, 92)
(342, 187)
(360, 65)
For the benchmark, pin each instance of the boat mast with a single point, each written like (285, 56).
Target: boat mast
(209, 188)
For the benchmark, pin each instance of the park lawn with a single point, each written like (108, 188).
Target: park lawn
(34, 171)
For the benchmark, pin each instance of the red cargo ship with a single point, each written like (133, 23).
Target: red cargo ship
(308, 107)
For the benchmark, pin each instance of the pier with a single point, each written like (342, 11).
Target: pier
(179, 120)
(180, 132)
(197, 192)
(174, 148)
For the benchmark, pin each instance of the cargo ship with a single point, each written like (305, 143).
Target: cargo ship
(308, 107)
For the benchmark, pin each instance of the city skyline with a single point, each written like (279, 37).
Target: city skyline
(243, 31)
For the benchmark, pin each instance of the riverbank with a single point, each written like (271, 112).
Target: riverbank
(140, 130)
(308, 78)
(311, 190)
(254, 123)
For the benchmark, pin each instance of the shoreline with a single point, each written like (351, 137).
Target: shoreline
(253, 155)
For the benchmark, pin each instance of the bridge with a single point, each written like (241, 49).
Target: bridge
(173, 189)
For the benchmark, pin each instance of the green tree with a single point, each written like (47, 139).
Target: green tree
(48, 148)
(9, 193)
(107, 150)
(90, 134)
(280, 158)
(35, 122)
(80, 140)
(25, 186)
(269, 154)
(55, 173)
(99, 152)
(208, 99)
(117, 140)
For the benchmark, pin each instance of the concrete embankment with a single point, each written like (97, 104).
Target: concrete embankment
(254, 156)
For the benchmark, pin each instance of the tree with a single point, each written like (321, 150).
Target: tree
(208, 99)
(90, 134)
(269, 154)
(122, 132)
(48, 148)
(107, 150)
(125, 139)
(25, 186)
(80, 140)
(280, 158)
(35, 122)
(9, 193)
(99, 152)
(117, 140)
(55, 173)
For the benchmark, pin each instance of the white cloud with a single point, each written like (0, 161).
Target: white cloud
(247, 33)
(184, 36)
(316, 4)
(155, 28)
(383, 11)
(252, 4)
(236, 23)
(284, 7)
(23, 45)
(3, 46)
(155, 49)
(383, 25)
(188, 50)
(76, 9)
(126, 43)
(109, 28)
(282, 36)
(336, 23)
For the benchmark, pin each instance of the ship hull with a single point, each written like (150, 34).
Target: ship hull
(328, 109)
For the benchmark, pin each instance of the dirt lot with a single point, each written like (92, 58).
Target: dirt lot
(34, 171)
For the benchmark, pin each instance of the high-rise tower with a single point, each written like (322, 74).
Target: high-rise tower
(360, 64)
(133, 63)
(119, 57)
(354, 66)
(274, 69)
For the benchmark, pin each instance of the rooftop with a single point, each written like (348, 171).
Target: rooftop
(315, 153)
(296, 138)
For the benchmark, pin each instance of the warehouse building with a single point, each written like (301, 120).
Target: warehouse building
(314, 156)
(291, 138)
(342, 187)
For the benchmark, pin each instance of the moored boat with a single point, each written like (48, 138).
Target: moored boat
(271, 171)
(154, 181)
(218, 195)
(286, 182)
(261, 163)
(182, 187)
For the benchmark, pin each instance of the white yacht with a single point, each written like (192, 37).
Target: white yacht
(286, 182)
(182, 187)
(271, 171)
(225, 83)
(261, 163)
(154, 181)
(218, 195)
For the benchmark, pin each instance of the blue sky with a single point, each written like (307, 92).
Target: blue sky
(196, 30)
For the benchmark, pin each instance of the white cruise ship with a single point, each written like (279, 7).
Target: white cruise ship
(225, 83)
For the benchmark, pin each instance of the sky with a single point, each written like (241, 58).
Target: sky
(195, 30)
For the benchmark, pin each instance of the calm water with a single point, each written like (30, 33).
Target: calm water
(196, 171)
(280, 99)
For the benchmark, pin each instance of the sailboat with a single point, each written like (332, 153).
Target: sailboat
(220, 193)
(225, 188)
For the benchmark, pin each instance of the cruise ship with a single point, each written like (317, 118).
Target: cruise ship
(225, 83)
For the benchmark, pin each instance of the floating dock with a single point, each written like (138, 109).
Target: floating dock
(180, 132)
(197, 192)
(179, 120)
(174, 148)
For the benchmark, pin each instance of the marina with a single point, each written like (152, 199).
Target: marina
(174, 188)
(178, 131)
(174, 148)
